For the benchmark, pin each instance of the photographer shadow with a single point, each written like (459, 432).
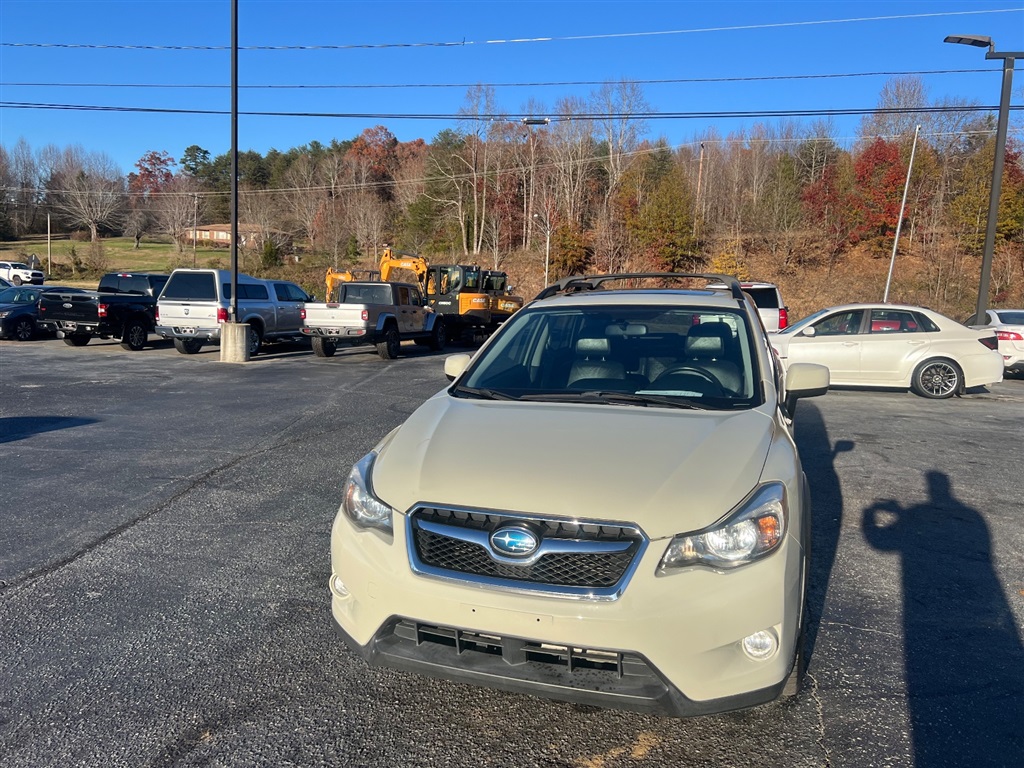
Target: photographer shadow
(964, 658)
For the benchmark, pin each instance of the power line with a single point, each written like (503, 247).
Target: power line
(465, 43)
(343, 86)
(516, 117)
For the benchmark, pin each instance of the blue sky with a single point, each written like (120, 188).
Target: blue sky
(591, 41)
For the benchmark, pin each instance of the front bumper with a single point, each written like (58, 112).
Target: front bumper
(668, 644)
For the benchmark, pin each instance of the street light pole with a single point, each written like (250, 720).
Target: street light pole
(1008, 57)
(899, 221)
(195, 225)
(546, 223)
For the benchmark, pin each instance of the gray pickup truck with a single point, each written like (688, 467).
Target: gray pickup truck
(382, 314)
(195, 303)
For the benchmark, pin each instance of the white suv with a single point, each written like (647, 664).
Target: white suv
(636, 534)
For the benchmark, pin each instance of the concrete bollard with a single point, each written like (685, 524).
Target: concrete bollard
(234, 343)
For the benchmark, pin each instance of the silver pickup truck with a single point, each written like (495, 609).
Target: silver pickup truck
(195, 303)
(382, 314)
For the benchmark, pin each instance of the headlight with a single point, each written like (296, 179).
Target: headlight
(754, 529)
(359, 503)
(4, 314)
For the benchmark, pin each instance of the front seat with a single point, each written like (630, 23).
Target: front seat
(592, 368)
(707, 346)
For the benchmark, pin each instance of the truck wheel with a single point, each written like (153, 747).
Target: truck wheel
(390, 346)
(24, 329)
(438, 336)
(255, 341)
(134, 336)
(16, 280)
(188, 346)
(324, 347)
(76, 339)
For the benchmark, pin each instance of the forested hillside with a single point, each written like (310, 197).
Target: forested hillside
(784, 202)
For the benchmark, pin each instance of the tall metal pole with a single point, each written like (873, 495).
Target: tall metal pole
(195, 225)
(696, 202)
(899, 222)
(49, 254)
(997, 180)
(233, 311)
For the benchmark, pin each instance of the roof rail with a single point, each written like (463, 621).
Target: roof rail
(579, 283)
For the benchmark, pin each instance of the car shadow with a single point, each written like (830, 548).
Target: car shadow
(963, 653)
(17, 427)
(818, 454)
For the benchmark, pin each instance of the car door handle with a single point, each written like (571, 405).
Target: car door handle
(850, 343)
(915, 343)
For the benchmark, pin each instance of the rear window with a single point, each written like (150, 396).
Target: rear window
(195, 286)
(765, 298)
(133, 284)
(1011, 318)
(251, 291)
(366, 294)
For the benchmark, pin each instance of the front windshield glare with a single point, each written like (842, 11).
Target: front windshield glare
(649, 355)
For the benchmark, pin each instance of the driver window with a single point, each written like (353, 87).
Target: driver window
(840, 323)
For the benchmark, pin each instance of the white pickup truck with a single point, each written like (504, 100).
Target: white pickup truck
(371, 312)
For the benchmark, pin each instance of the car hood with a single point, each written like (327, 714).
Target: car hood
(668, 470)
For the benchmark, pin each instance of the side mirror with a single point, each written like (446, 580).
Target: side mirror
(805, 380)
(809, 332)
(455, 365)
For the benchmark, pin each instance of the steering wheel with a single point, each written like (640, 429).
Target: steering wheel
(693, 372)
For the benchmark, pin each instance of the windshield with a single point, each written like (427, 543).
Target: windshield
(652, 355)
(803, 323)
(19, 296)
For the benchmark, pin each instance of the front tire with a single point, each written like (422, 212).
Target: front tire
(134, 336)
(937, 379)
(389, 347)
(77, 339)
(188, 346)
(438, 336)
(24, 329)
(324, 347)
(16, 280)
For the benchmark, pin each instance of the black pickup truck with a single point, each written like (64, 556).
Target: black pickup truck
(122, 307)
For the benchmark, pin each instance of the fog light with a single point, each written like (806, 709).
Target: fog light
(339, 587)
(761, 645)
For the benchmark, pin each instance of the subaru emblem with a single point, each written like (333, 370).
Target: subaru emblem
(514, 541)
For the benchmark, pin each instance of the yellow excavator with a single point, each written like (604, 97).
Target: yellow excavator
(334, 279)
(471, 299)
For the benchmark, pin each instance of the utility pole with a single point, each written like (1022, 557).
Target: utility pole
(696, 202)
(195, 225)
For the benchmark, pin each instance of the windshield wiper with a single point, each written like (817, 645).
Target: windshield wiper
(615, 398)
(483, 394)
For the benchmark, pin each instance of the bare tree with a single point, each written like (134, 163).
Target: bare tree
(903, 92)
(88, 190)
(572, 147)
(180, 208)
(305, 195)
(619, 129)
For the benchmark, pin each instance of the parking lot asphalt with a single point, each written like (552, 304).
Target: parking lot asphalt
(164, 558)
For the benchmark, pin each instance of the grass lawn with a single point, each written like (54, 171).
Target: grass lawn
(117, 254)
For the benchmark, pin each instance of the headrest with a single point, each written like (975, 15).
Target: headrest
(704, 346)
(593, 347)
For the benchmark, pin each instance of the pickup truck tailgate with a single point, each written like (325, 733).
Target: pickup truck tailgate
(187, 314)
(69, 307)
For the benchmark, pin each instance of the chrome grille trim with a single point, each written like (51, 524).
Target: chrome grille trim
(606, 554)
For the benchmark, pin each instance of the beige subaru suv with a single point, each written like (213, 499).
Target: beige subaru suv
(606, 506)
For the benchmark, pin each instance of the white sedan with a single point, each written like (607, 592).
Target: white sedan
(890, 345)
(1008, 325)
